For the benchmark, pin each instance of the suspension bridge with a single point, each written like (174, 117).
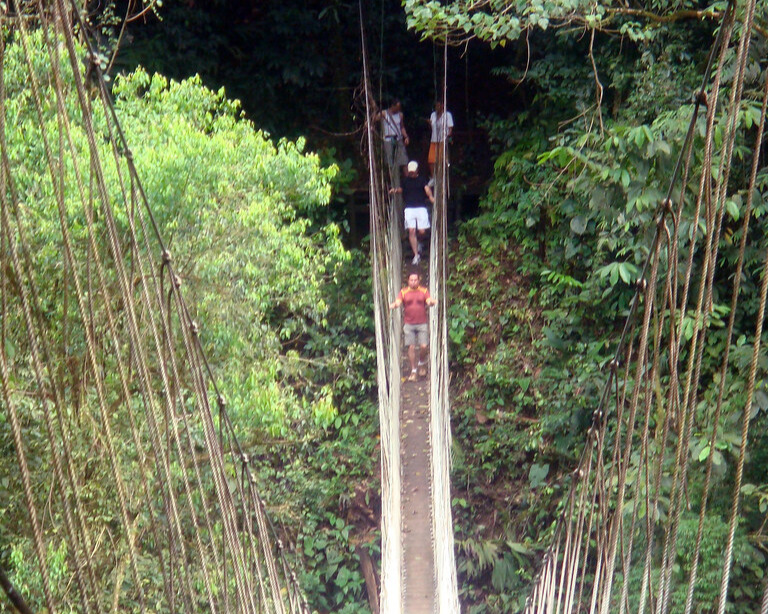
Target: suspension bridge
(195, 535)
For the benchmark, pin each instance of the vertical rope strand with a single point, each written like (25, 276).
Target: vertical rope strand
(440, 423)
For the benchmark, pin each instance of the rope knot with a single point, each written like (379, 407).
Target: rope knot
(221, 401)
(641, 284)
(194, 328)
(166, 257)
(245, 459)
(614, 365)
(176, 282)
(279, 544)
(127, 153)
(701, 98)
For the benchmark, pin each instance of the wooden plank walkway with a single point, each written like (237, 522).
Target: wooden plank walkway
(418, 555)
(419, 569)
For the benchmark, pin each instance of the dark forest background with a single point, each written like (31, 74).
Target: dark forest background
(297, 66)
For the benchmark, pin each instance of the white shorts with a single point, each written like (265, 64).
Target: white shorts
(417, 217)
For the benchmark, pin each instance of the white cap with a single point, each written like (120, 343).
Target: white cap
(413, 166)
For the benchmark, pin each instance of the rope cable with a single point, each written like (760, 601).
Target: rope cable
(386, 261)
(139, 324)
(446, 584)
(737, 278)
(666, 314)
(182, 307)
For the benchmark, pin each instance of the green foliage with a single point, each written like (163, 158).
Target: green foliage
(576, 190)
(28, 580)
(746, 574)
(497, 21)
(328, 553)
(500, 562)
(277, 296)
(294, 64)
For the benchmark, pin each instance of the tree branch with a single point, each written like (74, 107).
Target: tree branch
(598, 85)
(671, 18)
(676, 16)
(13, 595)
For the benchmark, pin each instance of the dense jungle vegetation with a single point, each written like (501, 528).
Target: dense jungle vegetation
(583, 106)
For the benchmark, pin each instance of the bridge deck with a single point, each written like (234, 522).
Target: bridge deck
(419, 570)
(418, 556)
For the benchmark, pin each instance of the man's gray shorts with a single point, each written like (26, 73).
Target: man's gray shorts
(416, 333)
(395, 153)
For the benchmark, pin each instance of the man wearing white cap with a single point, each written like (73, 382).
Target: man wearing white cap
(415, 192)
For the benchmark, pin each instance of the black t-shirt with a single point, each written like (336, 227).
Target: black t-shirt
(413, 192)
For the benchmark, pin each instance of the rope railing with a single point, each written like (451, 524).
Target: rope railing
(223, 551)
(647, 409)
(446, 583)
(386, 260)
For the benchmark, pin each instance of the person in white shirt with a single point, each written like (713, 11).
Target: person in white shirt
(441, 122)
(395, 136)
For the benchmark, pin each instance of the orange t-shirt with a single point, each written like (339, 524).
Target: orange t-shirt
(414, 305)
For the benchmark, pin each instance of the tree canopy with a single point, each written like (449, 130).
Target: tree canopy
(241, 217)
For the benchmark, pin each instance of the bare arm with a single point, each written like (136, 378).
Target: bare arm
(402, 129)
(428, 192)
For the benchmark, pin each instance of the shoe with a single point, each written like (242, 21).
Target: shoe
(422, 372)
(416, 259)
(413, 377)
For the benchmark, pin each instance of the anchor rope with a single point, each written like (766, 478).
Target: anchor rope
(655, 404)
(158, 375)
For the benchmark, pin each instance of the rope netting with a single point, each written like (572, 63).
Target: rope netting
(386, 260)
(184, 527)
(617, 545)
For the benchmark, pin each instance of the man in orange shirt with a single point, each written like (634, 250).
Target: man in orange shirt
(416, 299)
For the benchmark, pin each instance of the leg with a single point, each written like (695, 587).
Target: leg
(389, 155)
(431, 157)
(413, 241)
(421, 233)
(412, 359)
(423, 355)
